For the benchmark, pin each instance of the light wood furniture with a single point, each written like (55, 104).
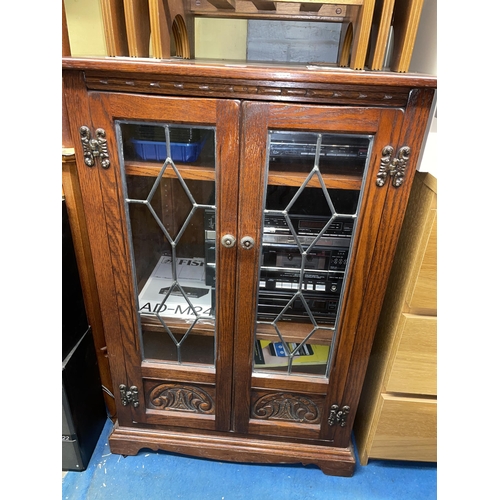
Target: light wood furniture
(115, 32)
(184, 378)
(354, 15)
(398, 407)
(404, 16)
(168, 25)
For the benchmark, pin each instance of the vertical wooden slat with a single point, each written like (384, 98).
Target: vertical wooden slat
(138, 27)
(115, 32)
(227, 144)
(160, 29)
(361, 35)
(381, 24)
(406, 20)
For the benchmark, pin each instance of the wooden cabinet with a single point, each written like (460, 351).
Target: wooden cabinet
(242, 223)
(397, 415)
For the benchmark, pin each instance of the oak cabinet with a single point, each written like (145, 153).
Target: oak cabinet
(242, 224)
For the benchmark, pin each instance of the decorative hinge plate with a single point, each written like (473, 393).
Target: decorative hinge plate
(129, 395)
(393, 167)
(338, 416)
(94, 148)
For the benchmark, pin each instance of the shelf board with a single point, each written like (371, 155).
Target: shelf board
(152, 169)
(293, 332)
(275, 178)
(305, 10)
(176, 326)
(332, 181)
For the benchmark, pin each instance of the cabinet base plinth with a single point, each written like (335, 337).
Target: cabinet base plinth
(332, 461)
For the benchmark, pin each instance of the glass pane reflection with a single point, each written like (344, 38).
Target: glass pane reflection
(168, 205)
(308, 230)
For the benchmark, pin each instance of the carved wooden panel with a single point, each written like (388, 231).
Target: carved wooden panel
(286, 406)
(180, 397)
(251, 89)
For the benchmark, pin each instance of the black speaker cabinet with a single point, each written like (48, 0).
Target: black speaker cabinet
(83, 407)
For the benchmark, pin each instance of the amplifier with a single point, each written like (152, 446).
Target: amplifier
(312, 281)
(307, 228)
(320, 259)
(323, 307)
(292, 146)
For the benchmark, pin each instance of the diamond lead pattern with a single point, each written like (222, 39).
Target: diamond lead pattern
(176, 288)
(305, 246)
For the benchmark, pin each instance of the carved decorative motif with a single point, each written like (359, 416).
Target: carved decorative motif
(94, 148)
(399, 171)
(275, 91)
(129, 395)
(338, 416)
(395, 168)
(286, 406)
(181, 397)
(385, 164)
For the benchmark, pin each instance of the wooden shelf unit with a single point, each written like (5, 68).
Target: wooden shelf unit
(229, 411)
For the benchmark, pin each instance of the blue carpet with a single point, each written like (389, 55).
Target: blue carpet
(160, 475)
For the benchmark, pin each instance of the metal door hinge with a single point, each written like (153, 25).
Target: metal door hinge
(94, 148)
(338, 416)
(393, 167)
(129, 395)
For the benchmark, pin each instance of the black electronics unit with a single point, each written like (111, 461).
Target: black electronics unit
(83, 407)
(306, 252)
(292, 146)
(322, 307)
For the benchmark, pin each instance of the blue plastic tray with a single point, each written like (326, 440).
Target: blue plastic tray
(157, 151)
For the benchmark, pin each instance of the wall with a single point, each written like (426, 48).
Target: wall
(220, 38)
(85, 27)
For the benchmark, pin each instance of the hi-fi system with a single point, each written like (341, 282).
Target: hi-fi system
(317, 265)
(312, 257)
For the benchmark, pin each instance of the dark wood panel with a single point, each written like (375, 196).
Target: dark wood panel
(294, 75)
(79, 232)
(93, 206)
(413, 129)
(361, 273)
(232, 448)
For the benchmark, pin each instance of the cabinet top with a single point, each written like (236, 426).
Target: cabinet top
(253, 81)
(249, 71)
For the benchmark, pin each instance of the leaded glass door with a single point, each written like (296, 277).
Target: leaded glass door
(312, 249)
(173, 170)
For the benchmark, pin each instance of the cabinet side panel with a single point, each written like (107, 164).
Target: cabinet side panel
(93, 205)
(83, 254)
(412, 134)
(364, 287)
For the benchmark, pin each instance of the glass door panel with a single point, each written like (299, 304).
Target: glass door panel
(168, 175)
(313, 192)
